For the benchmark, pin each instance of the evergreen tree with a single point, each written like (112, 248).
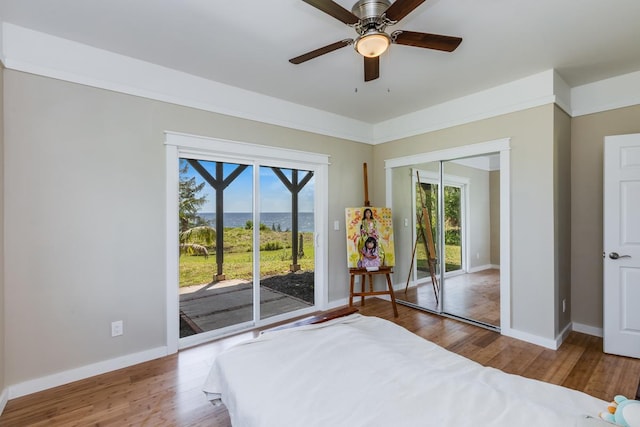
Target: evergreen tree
(195, 233)
(189, 200)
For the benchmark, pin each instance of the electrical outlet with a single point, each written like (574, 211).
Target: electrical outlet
(117, 328)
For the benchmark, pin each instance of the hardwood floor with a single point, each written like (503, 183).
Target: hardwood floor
(167, 391)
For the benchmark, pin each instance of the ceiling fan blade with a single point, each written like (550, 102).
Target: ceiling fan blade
(371, 68)
(429, 41)
(321, 51)
(401, 8)
(334, 9)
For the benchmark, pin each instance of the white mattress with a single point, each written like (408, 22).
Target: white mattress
(366, 371)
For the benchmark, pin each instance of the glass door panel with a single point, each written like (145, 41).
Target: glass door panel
(287, 258)
(452, 228)
(216, 245)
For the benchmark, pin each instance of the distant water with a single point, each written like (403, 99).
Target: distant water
(270, 219)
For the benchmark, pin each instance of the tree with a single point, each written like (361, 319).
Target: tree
(195, 232)
(428, 194)
(194, 241)
(452, 206)
(189, 200)
(452, 215)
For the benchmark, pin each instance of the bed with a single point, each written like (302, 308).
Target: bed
(365, 371)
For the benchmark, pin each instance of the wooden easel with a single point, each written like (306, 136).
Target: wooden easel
(364, 273)
(424, 232)
(366, 185)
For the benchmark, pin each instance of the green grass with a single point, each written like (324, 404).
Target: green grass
(238, 257)
(452, 258)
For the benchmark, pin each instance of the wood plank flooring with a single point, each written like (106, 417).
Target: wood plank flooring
(167, 391)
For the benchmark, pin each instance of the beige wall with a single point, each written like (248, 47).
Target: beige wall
(402, 236)
(532, 199)
(494, 191)
(86, 202)
(587, 136)
(562, 216)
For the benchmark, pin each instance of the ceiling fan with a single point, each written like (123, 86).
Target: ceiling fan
(370, 18)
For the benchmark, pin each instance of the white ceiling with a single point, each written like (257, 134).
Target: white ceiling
(247, 44)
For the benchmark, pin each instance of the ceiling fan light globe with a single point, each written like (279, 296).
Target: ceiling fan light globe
(372, 45)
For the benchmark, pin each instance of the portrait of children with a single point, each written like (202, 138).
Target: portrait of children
(369, 237)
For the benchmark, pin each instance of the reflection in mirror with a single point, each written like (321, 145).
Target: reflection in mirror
(460, 200)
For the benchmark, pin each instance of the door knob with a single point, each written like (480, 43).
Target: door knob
(614, 255)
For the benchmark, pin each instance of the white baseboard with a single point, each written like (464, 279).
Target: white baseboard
(483, 267)
(4, 398)
(530, 338)
(563, 335)
(589, 330)
(337, 303)
(61, 378)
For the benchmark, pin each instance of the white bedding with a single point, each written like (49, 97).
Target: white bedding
(365, 371)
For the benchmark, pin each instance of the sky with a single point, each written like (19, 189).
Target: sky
(238, 195)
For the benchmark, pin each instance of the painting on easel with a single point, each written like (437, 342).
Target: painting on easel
(369, 238)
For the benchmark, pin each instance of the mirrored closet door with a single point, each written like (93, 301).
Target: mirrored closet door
(447, 216)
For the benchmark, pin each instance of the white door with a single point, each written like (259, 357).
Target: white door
(622, 245)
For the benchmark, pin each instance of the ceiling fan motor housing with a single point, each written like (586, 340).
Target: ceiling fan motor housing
(370, 14)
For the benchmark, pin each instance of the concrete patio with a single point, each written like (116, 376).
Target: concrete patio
(217, 305)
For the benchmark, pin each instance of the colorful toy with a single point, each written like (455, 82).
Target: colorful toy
(623, 412)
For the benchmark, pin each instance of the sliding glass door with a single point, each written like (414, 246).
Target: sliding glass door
(249, 234)
(235, 265)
